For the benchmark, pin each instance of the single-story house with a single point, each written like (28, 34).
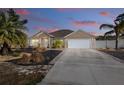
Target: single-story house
(70, 39)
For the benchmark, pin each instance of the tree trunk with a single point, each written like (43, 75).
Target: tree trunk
(5, 49)
(116, 43)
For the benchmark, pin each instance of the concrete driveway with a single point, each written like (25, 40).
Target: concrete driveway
(85, 66)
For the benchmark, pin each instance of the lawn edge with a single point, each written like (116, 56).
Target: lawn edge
(118, 59)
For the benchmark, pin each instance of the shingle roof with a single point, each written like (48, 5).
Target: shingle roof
(79, 34)
(61, 33)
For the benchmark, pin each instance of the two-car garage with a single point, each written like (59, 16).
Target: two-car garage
(79, 43)
(80, 39)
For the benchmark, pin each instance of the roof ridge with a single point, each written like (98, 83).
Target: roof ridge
(86, 32)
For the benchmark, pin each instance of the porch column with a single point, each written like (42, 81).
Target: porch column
(49, 42)
(40, 42)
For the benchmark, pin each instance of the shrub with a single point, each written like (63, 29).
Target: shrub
(37, 57)
(26, 57)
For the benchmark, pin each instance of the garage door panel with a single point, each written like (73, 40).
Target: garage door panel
(79, 43)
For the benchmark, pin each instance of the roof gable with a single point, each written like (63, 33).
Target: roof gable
(41, 33)
(79, 34)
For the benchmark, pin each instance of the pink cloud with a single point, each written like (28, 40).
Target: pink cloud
(104, 13)
(107, 14)
(22, 12)
(85, 23)
(27, 15)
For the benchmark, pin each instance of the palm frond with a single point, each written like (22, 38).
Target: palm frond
(12, 29)
(109, 32)
(120, 17)
(121, 27)
(106, 26)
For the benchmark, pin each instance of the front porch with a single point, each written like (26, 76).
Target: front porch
(41, 40)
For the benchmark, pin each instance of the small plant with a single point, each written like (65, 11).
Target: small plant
(58, 44)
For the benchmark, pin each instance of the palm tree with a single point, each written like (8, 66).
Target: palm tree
(117, 28)
(12, 31)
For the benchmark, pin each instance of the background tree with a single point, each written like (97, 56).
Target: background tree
(12, 31)
(117, 28)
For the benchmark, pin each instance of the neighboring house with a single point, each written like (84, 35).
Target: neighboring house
(71, 39)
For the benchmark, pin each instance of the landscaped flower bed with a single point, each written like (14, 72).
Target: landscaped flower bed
(15, 74)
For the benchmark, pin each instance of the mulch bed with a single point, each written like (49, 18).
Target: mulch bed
(116, 53)
(15, 74)
(50, 55)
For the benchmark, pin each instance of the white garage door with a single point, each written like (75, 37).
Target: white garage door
(79, 43)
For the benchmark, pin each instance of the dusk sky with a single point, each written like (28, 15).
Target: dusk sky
(52, 19)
